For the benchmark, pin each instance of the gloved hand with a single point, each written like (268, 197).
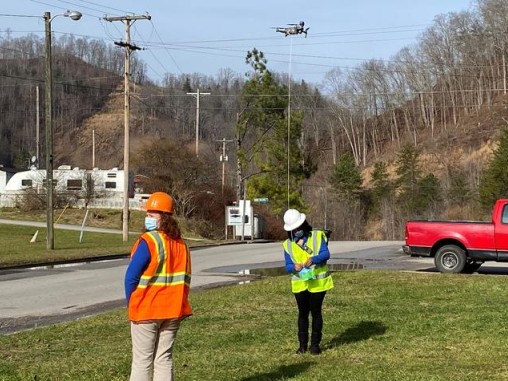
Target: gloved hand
(306, 273)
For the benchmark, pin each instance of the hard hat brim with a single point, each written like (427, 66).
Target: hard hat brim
(296, 224)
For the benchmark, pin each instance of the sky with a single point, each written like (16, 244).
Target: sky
(203, 36)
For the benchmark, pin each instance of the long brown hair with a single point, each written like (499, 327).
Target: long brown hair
(169, 225)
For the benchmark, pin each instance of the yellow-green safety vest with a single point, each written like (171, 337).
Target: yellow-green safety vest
(323, 280)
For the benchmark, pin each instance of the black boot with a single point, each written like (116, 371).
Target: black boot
(315, 340)
(303, 338)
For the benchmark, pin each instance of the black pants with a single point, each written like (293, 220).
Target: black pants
(310, 302)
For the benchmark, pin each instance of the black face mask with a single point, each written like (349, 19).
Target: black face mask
(299, 234)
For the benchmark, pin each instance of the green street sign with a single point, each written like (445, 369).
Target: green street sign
(261, 200)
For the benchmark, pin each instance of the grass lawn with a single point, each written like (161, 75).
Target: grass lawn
(100, 218)
(378, 326)
(16, 248)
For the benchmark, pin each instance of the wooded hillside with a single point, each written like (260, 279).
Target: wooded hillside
(442, 102)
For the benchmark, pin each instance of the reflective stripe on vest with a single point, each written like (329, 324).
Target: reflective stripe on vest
(165, 280)
(323, 280)
(160, 278)
(163, 289)
(316, 276)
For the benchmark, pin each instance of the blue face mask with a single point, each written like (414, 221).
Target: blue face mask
(150, 223)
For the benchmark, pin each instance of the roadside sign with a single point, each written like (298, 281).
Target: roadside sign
(235, 217)
(261, 200)
(234, 214)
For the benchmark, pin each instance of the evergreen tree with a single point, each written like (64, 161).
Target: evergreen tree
(459, 191)
(346, 178)
(429, 194)
(417, 193)
(494, 183)
(262, 138)
(187, 86)
(408, 174)
(381, 185)
(22, 160)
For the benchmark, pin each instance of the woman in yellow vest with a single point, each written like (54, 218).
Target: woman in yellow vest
(306, 253)
(157, 284)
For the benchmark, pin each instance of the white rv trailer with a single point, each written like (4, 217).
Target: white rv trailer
(5, 175)
(97, 187)
(3, 181)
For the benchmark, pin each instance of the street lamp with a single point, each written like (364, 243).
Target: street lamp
(74, 15)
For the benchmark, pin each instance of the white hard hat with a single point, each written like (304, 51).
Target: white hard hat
(293, 219)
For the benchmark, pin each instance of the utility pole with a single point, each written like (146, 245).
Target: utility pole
(223, 159)
(74, 15)
(239, 180)
(197, 117)
(129, 48)
(37, 127)
(93, 149)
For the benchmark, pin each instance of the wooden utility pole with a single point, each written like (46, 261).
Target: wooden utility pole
(239, 180)
(129, 48)
(223, 159)
(197, 118)
(37, 127)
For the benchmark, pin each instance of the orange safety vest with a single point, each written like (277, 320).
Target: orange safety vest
(163, 290)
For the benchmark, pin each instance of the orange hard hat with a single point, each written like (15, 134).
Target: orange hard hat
(161, 202)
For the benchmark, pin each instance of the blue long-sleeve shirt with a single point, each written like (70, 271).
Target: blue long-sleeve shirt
(318, 259)
(137, 266)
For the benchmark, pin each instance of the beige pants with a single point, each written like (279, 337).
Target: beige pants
(152, 349)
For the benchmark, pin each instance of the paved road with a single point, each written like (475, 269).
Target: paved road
(41, 296)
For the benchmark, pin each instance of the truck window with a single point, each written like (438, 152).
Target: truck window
(504, 217)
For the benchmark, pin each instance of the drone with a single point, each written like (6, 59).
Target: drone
(293, 29)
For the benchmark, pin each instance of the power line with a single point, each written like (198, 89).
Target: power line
(81, 7)
(190, 47)
(106, 7)
(167, 51)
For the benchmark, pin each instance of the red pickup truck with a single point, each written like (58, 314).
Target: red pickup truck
(460, 246)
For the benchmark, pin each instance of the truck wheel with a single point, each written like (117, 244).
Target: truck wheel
(450, 259)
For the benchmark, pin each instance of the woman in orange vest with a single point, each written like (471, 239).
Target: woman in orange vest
(157, 284)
